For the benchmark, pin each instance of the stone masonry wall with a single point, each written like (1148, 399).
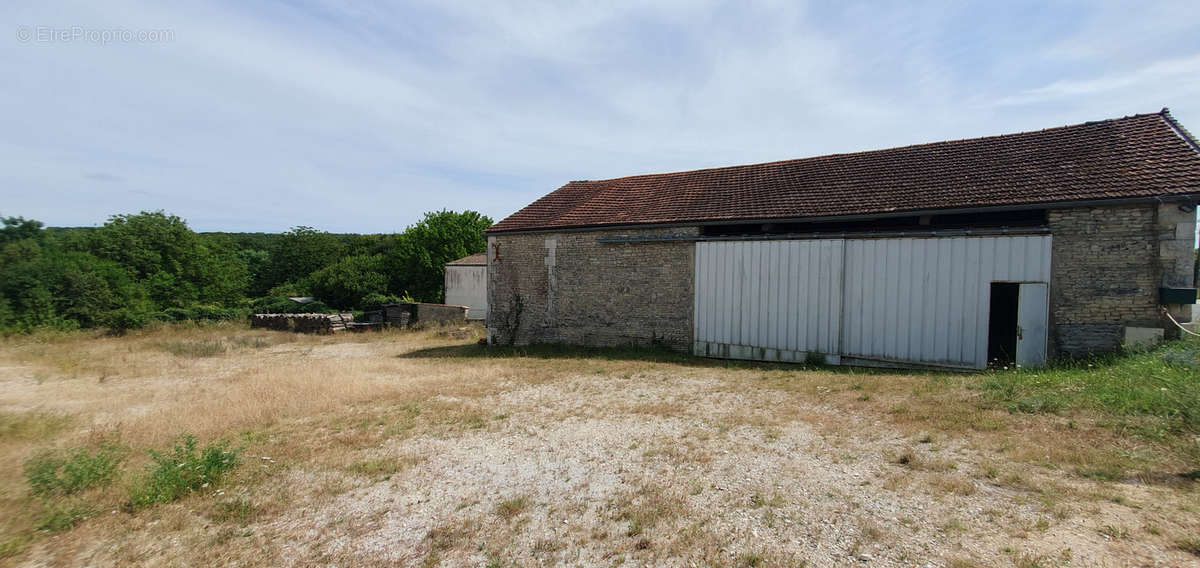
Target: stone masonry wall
(1104, 276)
(567, 288)
(1176, 228)
(1107, 265)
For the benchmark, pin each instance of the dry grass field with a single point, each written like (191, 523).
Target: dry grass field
(423, 449)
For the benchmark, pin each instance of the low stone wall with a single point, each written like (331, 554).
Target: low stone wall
(441, 313)
(401, 314)
(390, 315)
(303, 323)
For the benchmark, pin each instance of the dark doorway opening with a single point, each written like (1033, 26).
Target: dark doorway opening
(1002, 323)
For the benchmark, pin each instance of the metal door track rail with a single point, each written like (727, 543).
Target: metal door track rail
(841, 235)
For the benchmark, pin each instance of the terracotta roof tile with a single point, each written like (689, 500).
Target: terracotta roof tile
(1146, 155)
(472, 260)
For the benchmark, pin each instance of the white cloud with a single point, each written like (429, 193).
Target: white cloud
(1177, 78)
(259, 116)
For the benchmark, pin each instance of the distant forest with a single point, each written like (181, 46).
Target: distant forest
(150, 266)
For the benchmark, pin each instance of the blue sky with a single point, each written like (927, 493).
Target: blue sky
(260, 116)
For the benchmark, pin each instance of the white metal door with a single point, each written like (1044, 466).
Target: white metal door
(926, 301)
(864, 301)
(1032, 308)
(768, 300)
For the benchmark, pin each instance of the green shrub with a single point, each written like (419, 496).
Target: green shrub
(272, 305)
(199, 313)
(173, 314)
(283, 305)
(125, 319)
(213, 313)
(314, 307)
(183, 470)
(374, 301)
(348, 281)
(66, 473)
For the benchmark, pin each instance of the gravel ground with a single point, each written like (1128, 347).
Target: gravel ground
(707, 480)
(392, 450)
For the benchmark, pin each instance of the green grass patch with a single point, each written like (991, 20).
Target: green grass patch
(1159, 388)
(31, 425)
(55, 473)
(62, 515)
(14, 545)
(239, 510)
(186, 469)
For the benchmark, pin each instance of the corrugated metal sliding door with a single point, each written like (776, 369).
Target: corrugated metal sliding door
(904, 300)
(768, 300)
(927, 300)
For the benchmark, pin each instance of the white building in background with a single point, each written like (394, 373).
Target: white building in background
(466, 285)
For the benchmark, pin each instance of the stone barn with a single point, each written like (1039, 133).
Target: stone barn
(466, 284)
(1007, 249)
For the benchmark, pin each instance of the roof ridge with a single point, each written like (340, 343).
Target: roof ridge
(888, 149)
(1165, 113)
(1137, 157)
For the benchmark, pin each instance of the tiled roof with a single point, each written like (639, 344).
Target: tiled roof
(475, 259)
(1147, 155)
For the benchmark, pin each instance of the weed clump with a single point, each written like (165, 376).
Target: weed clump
(201, 348)
(184, 470)
(1189, 544)
(62, 515)
(510, 508)
(65, 473)
(56, 476)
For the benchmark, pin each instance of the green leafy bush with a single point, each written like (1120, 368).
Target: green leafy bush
(65, 473)
(125, 319)
(314, 307)
(184, 470)
(173, 314)
(372, 301)
(346, 282)
(214, 313)
(283, 305)
(416, 259)
(200, 313)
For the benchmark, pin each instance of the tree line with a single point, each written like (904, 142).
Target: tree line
(150, 266)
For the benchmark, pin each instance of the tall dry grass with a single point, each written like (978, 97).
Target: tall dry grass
(152, 385)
